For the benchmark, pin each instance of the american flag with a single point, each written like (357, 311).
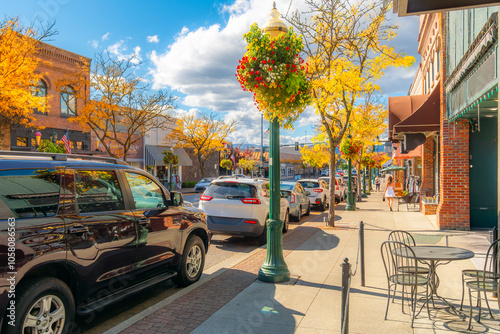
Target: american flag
(267, 131)
(65, 140)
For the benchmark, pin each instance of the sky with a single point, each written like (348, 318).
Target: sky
(191, 49)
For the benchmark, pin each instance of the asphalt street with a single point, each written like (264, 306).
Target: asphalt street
(223, 247)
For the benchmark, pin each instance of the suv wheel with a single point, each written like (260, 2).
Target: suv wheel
(192, 262)
(286, 223)
(45, 305)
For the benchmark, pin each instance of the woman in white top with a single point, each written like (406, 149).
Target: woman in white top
(389, 191)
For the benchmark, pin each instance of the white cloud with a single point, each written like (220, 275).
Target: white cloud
(105, 37)
(119, 51)
(153, 39)
(94, 43)
(201, 64)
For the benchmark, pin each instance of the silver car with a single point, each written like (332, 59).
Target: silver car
(318, 192)
(297, 198)
(203, 184)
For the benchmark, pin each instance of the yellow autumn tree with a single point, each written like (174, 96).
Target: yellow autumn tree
(122, 107)
(18, 71)
(348, 49)
(367, 124)
(318, 156)
(205, 135)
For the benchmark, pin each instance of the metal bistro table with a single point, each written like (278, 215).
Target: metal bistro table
(435, 256)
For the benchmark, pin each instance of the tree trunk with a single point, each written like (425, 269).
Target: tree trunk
(331, 205)
(202, 167)
(5, 138)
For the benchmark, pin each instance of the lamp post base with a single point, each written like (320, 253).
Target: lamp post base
(274, 268)
(351, 204)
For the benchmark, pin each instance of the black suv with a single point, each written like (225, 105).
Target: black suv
(77, 234)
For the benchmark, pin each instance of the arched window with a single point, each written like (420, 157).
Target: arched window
(68, 101)
(40, 90)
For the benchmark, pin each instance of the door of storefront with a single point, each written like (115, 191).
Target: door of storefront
(483, 175)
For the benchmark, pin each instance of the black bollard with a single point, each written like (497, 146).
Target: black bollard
(346, 271)
(362, 251)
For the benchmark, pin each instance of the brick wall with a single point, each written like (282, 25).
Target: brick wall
(193, 173)
(453, 211)
(427, 186)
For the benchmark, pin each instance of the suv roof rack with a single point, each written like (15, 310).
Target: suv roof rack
(63, 156)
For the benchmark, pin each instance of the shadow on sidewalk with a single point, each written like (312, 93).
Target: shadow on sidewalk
(325, 242)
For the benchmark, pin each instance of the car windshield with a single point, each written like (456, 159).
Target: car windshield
(206, 180)
(309, 184)
(286, 186)
(231, 190)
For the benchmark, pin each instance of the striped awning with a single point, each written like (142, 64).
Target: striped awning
(154, 156)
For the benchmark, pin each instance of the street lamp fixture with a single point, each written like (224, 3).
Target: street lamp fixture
(97, 143)
(274, 268)
(53, 137)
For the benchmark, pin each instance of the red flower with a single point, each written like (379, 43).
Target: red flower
(263, 62)
(287, 48)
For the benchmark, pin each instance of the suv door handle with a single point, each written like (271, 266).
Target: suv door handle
(78, 230)
(144, 222)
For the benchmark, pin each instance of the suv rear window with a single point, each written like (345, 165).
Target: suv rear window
(231, 190)
(29, 193)
(309, 184)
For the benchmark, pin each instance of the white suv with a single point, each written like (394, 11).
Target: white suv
(318, 192)
(240, 207)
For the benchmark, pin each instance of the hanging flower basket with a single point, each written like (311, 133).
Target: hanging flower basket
(226, 163)
(350, 148)
(170, 158)
(368, 161)
(276, 74)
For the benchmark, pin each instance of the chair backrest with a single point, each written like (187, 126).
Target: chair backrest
(402, 236)
(397, 255)
(491, 264)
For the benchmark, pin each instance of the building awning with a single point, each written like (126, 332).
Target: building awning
(400, 107)
(424, 119)
(154, 156)
(413, 153)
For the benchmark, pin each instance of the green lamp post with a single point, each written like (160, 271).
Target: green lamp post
(351, 201)
(363, 193)
(274, 268)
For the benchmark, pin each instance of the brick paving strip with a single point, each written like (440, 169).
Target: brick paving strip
(192, 309)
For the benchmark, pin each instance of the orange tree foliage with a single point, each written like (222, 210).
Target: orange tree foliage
(18, 75)
(122, 108)
(205, 135)
(318, 156)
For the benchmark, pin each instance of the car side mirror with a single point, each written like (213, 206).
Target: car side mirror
(176, 198)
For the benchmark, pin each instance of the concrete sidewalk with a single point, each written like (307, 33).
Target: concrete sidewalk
(232, 300)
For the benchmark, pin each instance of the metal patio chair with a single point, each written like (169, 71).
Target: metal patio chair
(407, 239)
(399, 255)
(485, 280)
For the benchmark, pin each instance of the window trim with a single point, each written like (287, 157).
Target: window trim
(64, 90)
(131, 195)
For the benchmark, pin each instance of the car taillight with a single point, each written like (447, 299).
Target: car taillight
(250, 200)
(293, 198)
(318, 201)
(318, 190)
(205, 198)
(250, 222)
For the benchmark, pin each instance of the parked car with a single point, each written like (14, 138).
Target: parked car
(318, 192)
(203, 184)
(240, 207)
(325, 172)
(340, 189)
(78, 233)
(233, 176)
(297, 198)
(354, 183)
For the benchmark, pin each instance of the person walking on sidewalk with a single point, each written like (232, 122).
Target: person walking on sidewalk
(377, 183)
(389, 191)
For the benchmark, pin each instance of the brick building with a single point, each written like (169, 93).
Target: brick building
(62, 104)
(459, 161)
